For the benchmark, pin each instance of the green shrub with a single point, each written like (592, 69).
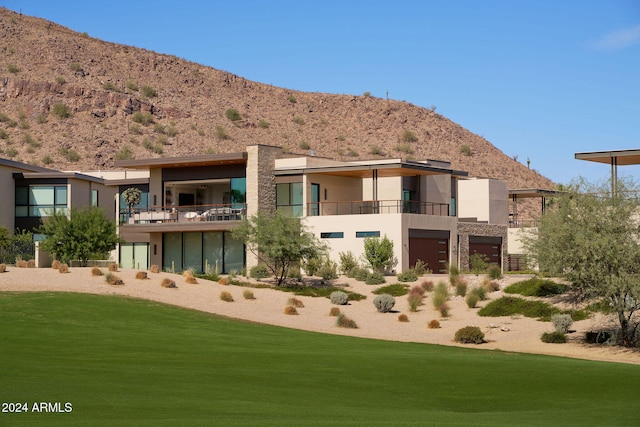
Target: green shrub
(347, 262)
(304, 145)
(420, 268)
(509, 306)
(440, 295)
(345, 322)
(292, 99)
(339, 298)
(396, 290)
(415, 300)
(298, 120)
(408, 276)
(247, 294)
(259, 271)
(75, 67)
(494, 272)
(70, 154)
(221, 133)
(148, 91)
(232, 114)
(536, 287)
(171, 131)
(384, 303)
(469, 335)
(13, 68)
(110, 87)
(454, 272)
(61, 111)
(561, 322)
(142, 118)
(131, 85)
(41, 119)
(404, 148)
(479, 263)
(263, 124)
(328, 270)
(124, 153)
(466, 150)
(312, 265)
(374, 278)
(376, 150)
(3, 134)
(461, 288)
(47, 160)
(471, 300)
(554, 337)
(409, 136)
(352, 153)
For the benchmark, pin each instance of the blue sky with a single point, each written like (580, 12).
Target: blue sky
(541, 80)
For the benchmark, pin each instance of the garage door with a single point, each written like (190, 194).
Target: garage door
(491, 247)
(430, 246)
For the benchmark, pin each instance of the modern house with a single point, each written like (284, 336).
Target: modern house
(189, 205)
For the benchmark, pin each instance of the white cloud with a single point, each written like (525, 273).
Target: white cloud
(619, 39)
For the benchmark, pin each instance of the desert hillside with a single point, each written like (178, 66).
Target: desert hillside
(73, 102)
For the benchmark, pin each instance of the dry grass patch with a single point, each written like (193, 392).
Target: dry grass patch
(21, 264)
(31, 263)
(55, 264)
(113, 266)
(191, 280)
(334, 312)
(168, 283)
(95, 271)
(295, 302)
(290, 310)
(345, 322)
(434, 324)
(63, 268)
(141, 275)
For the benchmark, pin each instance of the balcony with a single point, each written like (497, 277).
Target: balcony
(368, 207)
(184, 214)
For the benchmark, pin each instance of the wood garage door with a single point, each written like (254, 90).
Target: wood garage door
(430, 246)
(491, 247)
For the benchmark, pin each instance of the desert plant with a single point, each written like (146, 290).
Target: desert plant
(131, 85)
(478, 263)
(409, 136)
(13, 68)
(494, 272)
(191, 280)
(403, 318)
(444, 309)
(142, 118)
(466, 150)
(469, 335)
(110, 87)
(113, 280)
(472, 299)
(168, 283)
(298, 120)
(508, 306)
(55, 264)
(415, 300)
(3, 268)
(263, 124)
(555, 337)
(395, 290)
(427, 285)
(335, 311)
(259, 271)
(536, 287)
(95, 271)
(454, 273)
(339, 298)
(304, 145)
(124, 153)
(295, 302)
(490, 285)
(113, 266)
(292, 99)
(433, 324)
(408, 276)
(384, 303)
(561, 322)
(345, 322)
(75, 66)
(376, 150)
(461, 288)
(221, 132)
(154, 268)
(421, 268)
(440, 295)
(226, 296)
(417, 289)
(61, 111)
(347, 261)
(232, 114)
(148, 91)
(20, 263)
(374, 278)
(328, 270)
(223, 281)
(247, 294)
(290, 310)
(480, 292)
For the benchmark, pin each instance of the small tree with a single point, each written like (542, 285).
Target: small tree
(278, 241)
(379, 254)
(132, 197)
(590, 236)
(82, 235)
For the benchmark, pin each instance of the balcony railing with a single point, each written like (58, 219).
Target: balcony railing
(184, 214)
(522, 223)
(367, 207)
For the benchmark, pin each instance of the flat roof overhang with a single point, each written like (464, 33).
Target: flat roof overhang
(365, 171)
(530, 193)
(183, 162)
(57, 175)
(619, 157)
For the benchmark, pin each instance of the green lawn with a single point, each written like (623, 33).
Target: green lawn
(123, 361)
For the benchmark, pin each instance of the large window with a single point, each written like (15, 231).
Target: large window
(289, 198)
(40, 200)
(202, 251)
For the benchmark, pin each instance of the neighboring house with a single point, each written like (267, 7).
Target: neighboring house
(189, 205)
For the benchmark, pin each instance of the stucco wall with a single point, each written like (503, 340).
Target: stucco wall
(484, 199)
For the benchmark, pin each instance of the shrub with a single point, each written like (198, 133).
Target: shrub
(142, 118)
(168, 283)
(61, 111)
(298, 120)
(247, 294)
(403, 318)
(221, 132)
(63, 268)
(110, 87)
(472, 299)
(415, 300)
(561, 322)
(95, 271)
(31, 263)
(417, 289)
(508, 306)
(70, 154)
(191, 280)
(345, 322)
(420, 268)
(469, 335)
(494, 272)
(232, 114)
(461, 288)
(427, 285)
(113, 266)
(328, 270)
(444, 309)
(479, 263)
(226, 296)
(295, 302)
(290, 310)
(490, 285)
(374, 278)
(13, 68)
(124, 153)
(148, 91)
(480, 292)
(223, 281)
(454, 272)
(384, 303)
(259, 271)
(292, 99)
(113, 280)
(395, 290)
(47, 160)
(466, 150)
(335, 311)
(408, 276)
(358, 273)
(304, 145)
(409, 136)
(55, 264)
(3, 268)
(536, 287)
(131, 85)
(75, 66)
(141, 275)
(339, 298)
(440, 295)
(434, 324)
(263, 124)
(597, 337)
(554, 337)
(154, 268)
(347, 261)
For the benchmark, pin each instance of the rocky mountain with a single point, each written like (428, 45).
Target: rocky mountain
(72, 102)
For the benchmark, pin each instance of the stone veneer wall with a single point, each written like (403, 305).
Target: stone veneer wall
(466, 229)
(261, 188)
